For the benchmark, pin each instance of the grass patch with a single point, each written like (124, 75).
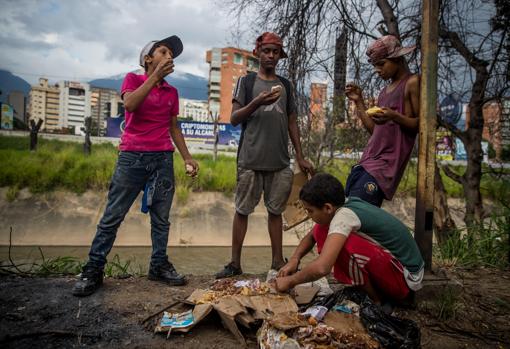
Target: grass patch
(447, 305)
(67, 265)
(12, 193)
(182, 194)
(482, 245)
(62, 165)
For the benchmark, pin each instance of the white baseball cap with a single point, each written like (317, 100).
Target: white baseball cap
(173, 42)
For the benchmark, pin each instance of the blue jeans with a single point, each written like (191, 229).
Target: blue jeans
(132, 172)
(361, 184)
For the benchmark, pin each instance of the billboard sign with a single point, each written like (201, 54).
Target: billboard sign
(114, 127)
(460, 150)
(444, 145)
(7, 117)
(450, 109)
(196, 132)
(203, 132)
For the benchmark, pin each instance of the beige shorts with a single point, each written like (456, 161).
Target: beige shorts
(276, 186)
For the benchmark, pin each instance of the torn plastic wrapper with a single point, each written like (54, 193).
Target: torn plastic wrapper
(179, 319)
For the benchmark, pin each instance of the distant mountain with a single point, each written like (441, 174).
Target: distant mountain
(10, 82)
(190, 86)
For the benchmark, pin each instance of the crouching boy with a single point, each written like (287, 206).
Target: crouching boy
(364, 245)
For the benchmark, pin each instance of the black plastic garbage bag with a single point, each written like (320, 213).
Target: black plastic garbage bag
(390, 331)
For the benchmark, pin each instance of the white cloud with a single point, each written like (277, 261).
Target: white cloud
(88, 39)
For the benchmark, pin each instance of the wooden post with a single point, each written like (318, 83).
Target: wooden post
(215, 133)
(87, 146)
(427, 153)
(34, 130)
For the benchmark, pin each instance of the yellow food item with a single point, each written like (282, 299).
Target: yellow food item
(312, 321)
(374, 110)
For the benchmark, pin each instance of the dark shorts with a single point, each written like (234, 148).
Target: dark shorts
(361, 184)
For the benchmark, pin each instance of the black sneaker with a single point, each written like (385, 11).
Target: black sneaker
(228, 271)
(91, 279)
(166, 273)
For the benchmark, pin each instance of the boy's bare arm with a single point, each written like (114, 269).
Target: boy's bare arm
(305, 245)
(320, 267)
(178, 139)
(133, 99)
(410, 119)
(293, 128)
(355, 94)
(240, 114)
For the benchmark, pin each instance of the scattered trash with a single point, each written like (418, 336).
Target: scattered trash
(346, 318)
(348, 307)
(271, 275)
(182, 318)
(171, 321)
(315, 314)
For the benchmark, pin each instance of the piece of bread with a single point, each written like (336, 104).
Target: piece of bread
(276, 88)
(374, 110)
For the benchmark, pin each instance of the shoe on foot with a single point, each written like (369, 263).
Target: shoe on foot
(228, 271)
(166, 273)
(90, 280)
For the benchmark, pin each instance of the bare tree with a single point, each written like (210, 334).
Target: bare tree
(473, 57)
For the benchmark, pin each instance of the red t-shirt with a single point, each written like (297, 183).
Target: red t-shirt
(148, 127)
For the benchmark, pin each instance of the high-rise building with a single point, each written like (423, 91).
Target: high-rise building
(193, 109)
(104, 102)
(74, 104)
(44, 104)
(226, 66)
(318, 104)
(17, 100)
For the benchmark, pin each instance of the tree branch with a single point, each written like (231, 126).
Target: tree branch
(449, 172)
(389, 17)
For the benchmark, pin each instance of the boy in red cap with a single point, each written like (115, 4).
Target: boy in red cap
(263, 104)
(146, 156)
(393, 130)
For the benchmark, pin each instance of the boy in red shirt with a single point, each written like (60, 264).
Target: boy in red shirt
(146, 156)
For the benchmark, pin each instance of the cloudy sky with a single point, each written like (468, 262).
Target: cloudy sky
(82, 40)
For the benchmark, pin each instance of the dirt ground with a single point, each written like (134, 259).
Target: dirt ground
(41, 312)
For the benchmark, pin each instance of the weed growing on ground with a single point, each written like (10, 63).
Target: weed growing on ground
(483, 245)
(12, 193)
(447, 305)
(117, 268)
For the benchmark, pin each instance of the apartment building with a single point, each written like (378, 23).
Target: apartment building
(318, 104)
(226, 66)
(44, 104)
(104, 102)
(193, 109)
(75, 105)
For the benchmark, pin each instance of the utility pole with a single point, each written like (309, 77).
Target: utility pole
(423, 228)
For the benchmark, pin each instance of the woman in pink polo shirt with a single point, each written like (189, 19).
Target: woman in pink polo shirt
(146, 157)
